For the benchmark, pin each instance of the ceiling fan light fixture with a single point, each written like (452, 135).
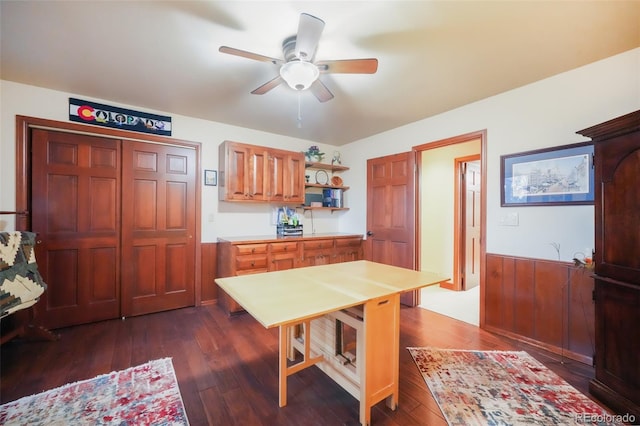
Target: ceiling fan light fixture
(299, 75)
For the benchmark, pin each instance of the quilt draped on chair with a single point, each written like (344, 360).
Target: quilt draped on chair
(20, 282)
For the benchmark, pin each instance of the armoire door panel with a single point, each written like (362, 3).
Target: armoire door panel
(621, 203)
(75, 197)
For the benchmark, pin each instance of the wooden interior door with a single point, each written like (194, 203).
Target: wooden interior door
(158, 227)
(75, 198)
(471, 225)
(391, 213)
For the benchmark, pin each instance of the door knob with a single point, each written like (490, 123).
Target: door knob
(369, 233)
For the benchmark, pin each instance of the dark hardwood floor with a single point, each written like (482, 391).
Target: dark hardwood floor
(227, 368)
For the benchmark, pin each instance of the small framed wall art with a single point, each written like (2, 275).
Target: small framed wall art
(211, 177)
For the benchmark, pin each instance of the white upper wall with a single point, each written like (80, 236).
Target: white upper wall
(219, 219)
(543, 114)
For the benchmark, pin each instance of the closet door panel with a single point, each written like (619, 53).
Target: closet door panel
(75, 200)
(158, 226)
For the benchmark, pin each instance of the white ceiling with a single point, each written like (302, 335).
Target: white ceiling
(433, 55)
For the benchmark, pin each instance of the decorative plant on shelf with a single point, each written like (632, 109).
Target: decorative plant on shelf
(314, 154)
(585, 262)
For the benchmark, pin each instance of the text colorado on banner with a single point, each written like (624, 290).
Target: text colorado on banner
(118, 118)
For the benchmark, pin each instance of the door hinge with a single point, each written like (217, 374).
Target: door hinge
(593, 295)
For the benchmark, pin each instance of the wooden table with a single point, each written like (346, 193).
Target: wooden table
(315, 306)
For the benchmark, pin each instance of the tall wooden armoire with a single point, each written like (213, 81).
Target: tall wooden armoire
(617, 263)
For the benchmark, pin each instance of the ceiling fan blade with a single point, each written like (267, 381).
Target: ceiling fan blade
(309, 31)
(249, 55)
(349, 66)
(321, 91)
(268, 86)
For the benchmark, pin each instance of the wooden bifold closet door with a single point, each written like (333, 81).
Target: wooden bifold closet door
(158, 226)
(115, 222)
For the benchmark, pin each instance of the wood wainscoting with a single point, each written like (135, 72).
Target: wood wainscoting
(209, 272)
(541, 302)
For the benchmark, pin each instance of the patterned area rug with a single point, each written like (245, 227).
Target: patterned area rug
(503, 388)
(144, 395)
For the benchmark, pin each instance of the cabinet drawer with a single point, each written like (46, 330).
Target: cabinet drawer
(251, 249)
(284, 247)
(318, 244)
(251, 262)
(348, 242)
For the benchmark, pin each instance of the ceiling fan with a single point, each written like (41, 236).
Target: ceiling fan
(298, 68)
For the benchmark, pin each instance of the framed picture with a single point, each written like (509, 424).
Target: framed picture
(554, 176)
(210, 177)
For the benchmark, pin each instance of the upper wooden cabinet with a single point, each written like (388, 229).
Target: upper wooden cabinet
(258, 173)
(286, 176)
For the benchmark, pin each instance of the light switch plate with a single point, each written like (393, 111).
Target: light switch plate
(509, 219)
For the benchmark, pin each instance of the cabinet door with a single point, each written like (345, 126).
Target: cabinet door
(258, 174)
(317, 257)
(286, 176)
(234, 171)
(294, 178)
(317, 252)
(243, 170)
(284, 256)
(618, 203)
(618, 337)
(347, 250)
(283, 261)
(277, 175)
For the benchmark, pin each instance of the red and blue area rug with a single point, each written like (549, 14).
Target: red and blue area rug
(144, 395)
(492, 388)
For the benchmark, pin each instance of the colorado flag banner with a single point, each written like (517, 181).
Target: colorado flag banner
(118, 118)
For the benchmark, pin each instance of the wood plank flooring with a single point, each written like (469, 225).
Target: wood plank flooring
(227, 367)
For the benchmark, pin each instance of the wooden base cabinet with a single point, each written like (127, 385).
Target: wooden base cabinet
(238, 256)
(617, 262)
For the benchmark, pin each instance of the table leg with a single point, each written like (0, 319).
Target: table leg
(282, 355)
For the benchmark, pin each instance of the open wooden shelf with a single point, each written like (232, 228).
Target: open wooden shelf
(324, 166)
(332, 209)
(319, 185)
